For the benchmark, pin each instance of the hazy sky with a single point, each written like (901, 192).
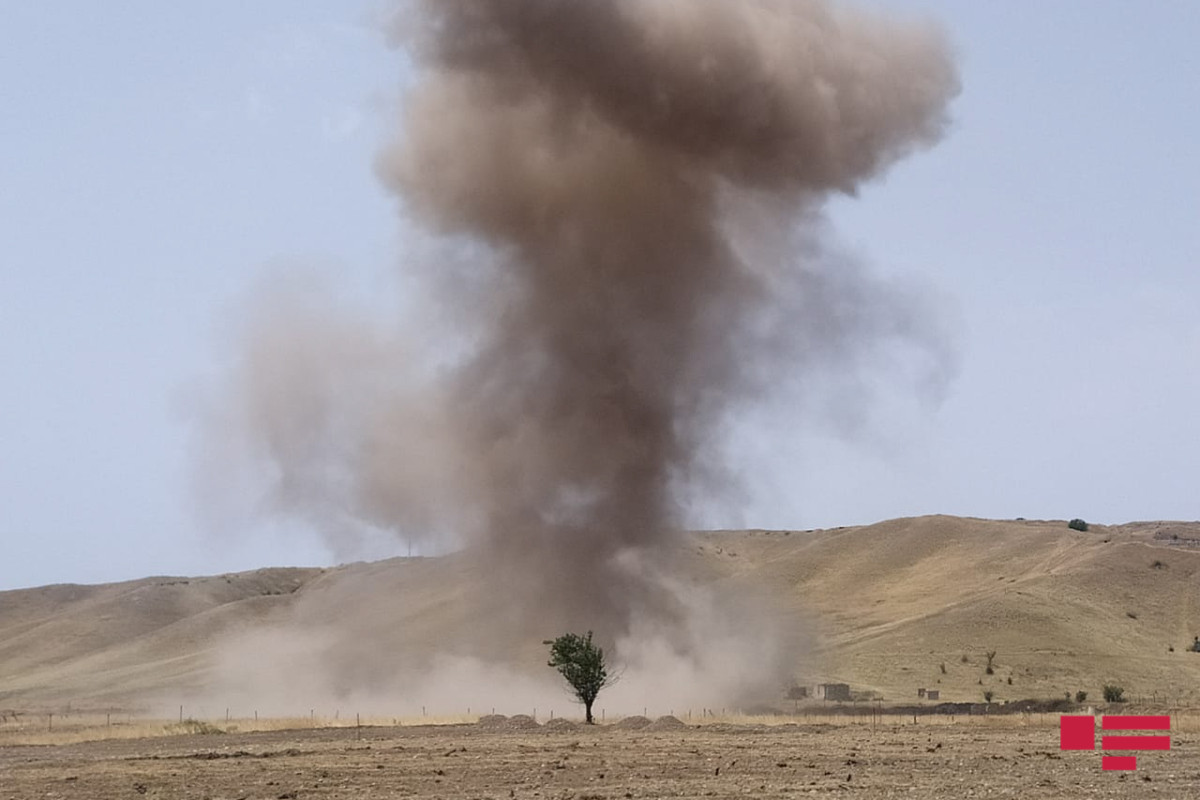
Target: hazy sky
(157, 160)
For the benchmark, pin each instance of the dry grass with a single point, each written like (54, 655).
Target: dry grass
(38, 730)
(885, 719)
(891, 608)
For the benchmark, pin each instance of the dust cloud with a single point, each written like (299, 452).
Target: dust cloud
(626, 203)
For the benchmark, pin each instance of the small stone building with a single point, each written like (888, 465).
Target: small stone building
(834, 691)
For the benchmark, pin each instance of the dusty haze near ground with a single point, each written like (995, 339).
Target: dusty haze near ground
(886, 606)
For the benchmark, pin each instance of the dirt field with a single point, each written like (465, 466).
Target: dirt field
(1003, 758)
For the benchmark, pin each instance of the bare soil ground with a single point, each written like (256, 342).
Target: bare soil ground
(997, 758)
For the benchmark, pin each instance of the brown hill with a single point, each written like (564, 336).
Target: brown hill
(109, 642)
(897, 606)
(1063, 610)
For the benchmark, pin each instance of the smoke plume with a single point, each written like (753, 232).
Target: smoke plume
(627, 196)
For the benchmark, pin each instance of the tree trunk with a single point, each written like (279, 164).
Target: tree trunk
(587, 707)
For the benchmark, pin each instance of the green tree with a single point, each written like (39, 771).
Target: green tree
(581, 663)
(1113, 694)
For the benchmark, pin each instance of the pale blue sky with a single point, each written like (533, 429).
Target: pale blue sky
(156, 159)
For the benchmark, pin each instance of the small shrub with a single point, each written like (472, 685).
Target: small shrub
(991, 657)
(1077, 525)
(1131, 615)
(988, 695)
(943, 667)
(1170, 648)
(1158, 565)
(964, 659)
(1010, 680)
(1113, 694)
(1080, 696)
(195, 726)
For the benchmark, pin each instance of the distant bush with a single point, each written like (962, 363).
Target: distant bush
(943, 667)
(1080, 696)
(195, 726)
(988, 695)
(1077, 524)
(1113, 694)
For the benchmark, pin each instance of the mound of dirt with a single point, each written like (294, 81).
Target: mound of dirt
(520, 722)
(493, 722)
(634, 723)
(667, 723)
(560, 724)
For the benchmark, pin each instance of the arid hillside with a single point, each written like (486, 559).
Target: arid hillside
(890, 608)
(918, 603)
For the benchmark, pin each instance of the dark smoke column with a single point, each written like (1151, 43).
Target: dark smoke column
(608, 164)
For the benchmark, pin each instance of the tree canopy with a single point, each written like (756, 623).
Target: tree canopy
(581, 663)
